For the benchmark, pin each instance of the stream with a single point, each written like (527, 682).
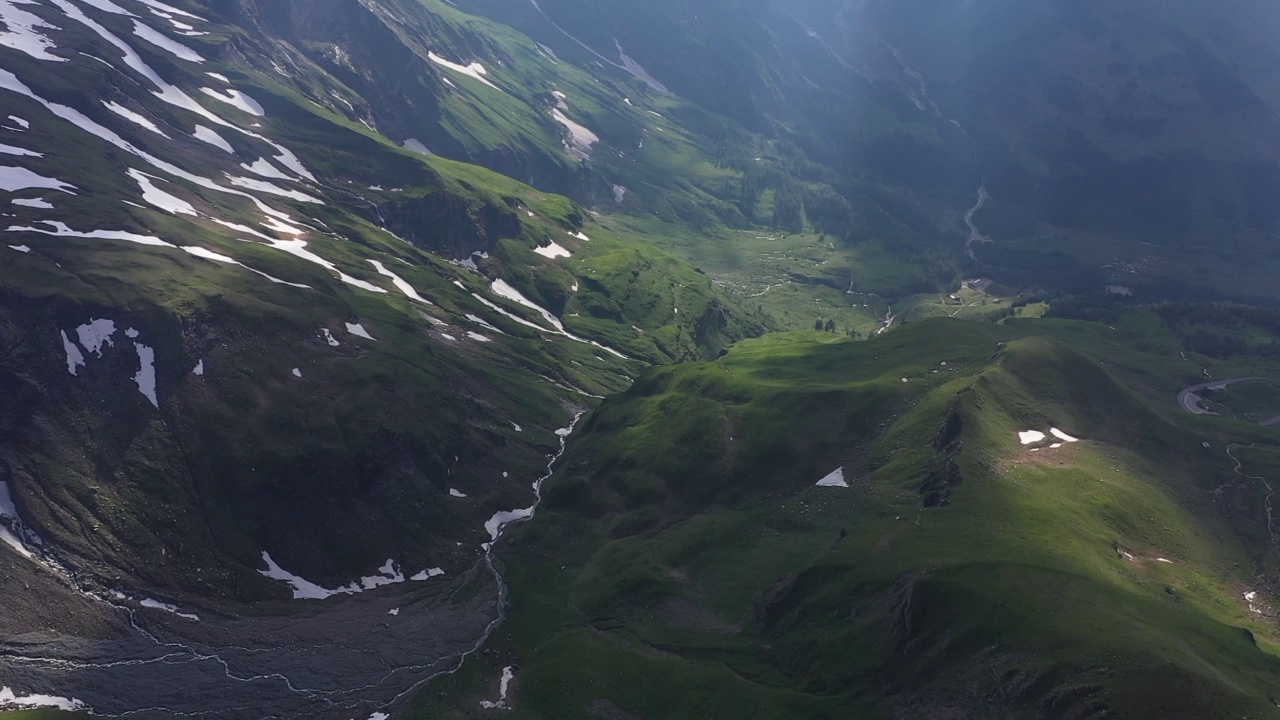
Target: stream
(350, 657)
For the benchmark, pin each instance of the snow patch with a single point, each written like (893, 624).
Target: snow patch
(176, 49)
(23, 33)
(619, 194)
(19, 152)
(329, 338)
(415, 145)
(501, 704)
(552, 251)
(1062, 436)
(10, 699)
(236, 99)
(296, 372)
(359, 331)
(40, 204)
(20, 248)
(158, 198)
(834, 479)
(60, 229)
(96, 334)
(207, 135)
(75, 359)
(478, 337)
(11, 525)
(146, 376)
(399, 282)
(427, 574)
(474, 70)
(456, 493)
(13, 179)
(157, 605)
(1030, 437)
(198, 370)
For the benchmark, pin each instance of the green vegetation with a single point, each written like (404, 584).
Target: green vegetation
(683, 546)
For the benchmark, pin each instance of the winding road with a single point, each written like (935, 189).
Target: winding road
(1189, 400)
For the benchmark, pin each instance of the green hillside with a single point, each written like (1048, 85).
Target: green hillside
(685, 565)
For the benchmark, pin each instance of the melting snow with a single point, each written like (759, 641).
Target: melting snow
(399, 282)
(20, 248)
(1029, 437)
(328, 337)
(23, 33)
(393, 611)
(552, 251)
(581, 139)
(95, 334)
(219, 77)
(302, 589)
(834, 479)
(60, 229)
(427, 574)
(1162, 560)
(207, 135)
(198, 371)
(416, 145)
(20, 122)
(474, 70)
(581, 236)
(10, 699)
(39, 203)
(156, 197)
(7, 529)
(217, 257)
(478, 337)
(236, 99)
(177, 49)
(263, 167)
(297, 373)
(75, 359)
(298, 248)
(619, 194)
(146, 377)
(16, 178)
(11, 150)
(134, 118)
(266, 187)
(1062, 436)
(507, 676)
(157, 605)
(456, 493)
(358, 330)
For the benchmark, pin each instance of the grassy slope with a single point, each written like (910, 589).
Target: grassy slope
(675, 572)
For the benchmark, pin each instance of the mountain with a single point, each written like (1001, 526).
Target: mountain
(306, 307)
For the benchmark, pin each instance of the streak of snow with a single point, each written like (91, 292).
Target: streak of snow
(174, 48)
(38, 203)
(237, 100)
(359, 331)
(134, 118)
(474, 70)
(169, 608)
(207, 135)
(399, 282)
(75, 358)
(146, 377)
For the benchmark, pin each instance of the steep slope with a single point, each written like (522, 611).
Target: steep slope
(1009, 531)
(248, 340)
